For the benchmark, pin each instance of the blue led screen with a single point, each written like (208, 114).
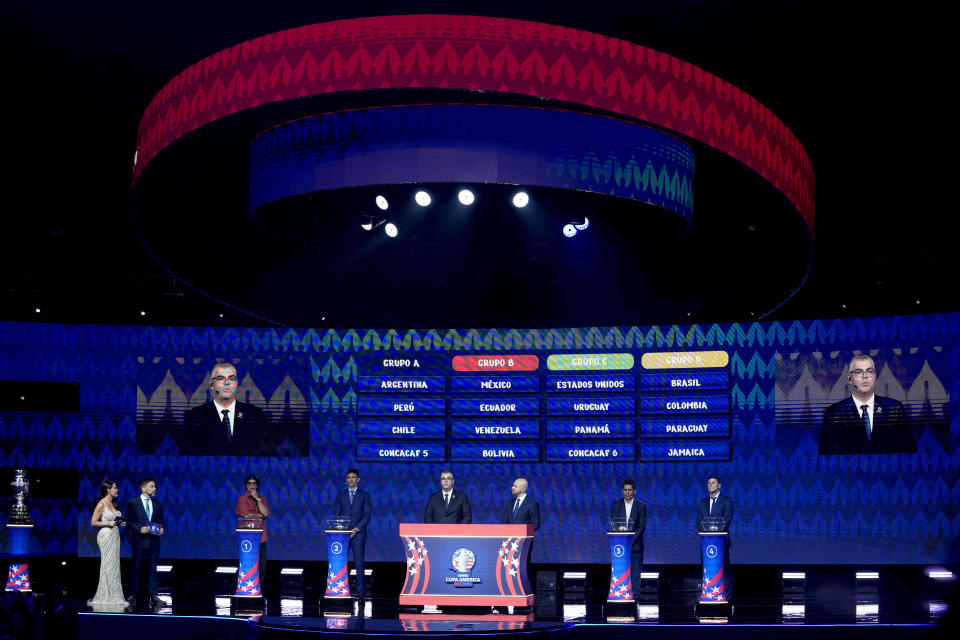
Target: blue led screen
(593, 406)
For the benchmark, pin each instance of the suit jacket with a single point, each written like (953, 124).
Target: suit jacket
(722, 508)
(458, 512)
(842, 430)
(136, 517)
(528, 513)
(637, 522)
(360, 511)
(205, 434)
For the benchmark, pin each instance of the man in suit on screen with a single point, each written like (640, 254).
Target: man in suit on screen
(355, 503)
(447, 506)
(225, 426)
(634, 513)
(865, 422)
(145, 523)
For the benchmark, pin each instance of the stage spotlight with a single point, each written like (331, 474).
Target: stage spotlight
(367, 224)
(422, 198)
(382, 203)
(143, 313)
(36, 310)
(520, 199)
(465, 196)
(571, 228)
(390, 229)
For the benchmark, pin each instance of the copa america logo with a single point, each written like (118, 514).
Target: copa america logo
(336, 548)
(246, 547)
(462, 562)
(711, 551)
(618, 551)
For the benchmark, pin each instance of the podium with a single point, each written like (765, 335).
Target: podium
(18, 574)
(621, 582)
(713, 601)
(467, 564)
(338, 547)
(249, 531)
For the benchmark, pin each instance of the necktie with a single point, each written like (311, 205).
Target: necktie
(226, 422)
(446, 500)
(352, 491)
(866, 418)
(516, 507)
(712, 500)
(148, 505)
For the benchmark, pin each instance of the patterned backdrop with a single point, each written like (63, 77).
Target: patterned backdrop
(791, 505)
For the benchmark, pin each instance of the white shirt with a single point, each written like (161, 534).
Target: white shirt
(231, 412)
(871, 403)
(628, 507)
(145, 498)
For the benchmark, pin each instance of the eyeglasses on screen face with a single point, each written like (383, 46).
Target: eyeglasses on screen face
(859, 372)
(222, 379)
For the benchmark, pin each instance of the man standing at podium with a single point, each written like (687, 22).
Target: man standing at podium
(635, 514)
(447, 506)
(717, 505)
(355, 503)
(253, 506)
(522, 509)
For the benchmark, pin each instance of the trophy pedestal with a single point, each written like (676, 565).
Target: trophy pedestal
(18, 575)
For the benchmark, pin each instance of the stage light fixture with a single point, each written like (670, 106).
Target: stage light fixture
(422, 198)
(571, 228)
(382, 203)
(521, 199)
(143, 313)
(465, 197)
(390, 229)
(36, 310)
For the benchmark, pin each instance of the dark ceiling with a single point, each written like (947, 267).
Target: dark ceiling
(853, 85)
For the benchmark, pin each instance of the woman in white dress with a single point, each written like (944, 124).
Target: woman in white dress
(105, 514)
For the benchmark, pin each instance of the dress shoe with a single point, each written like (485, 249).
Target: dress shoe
(132, 599)
(155, 600)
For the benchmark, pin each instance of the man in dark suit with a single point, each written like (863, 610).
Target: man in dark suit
(355, 503)
(717, 505)
(225, 426)
(865, 422)
(447, 506)
(634, 513)
(145, 523)
(521, 509)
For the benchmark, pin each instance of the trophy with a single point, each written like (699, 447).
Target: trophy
(21, 487)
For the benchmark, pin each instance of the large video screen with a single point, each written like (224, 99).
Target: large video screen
(836, 439)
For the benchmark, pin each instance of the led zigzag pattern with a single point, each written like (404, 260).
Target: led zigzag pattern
(487, 54)
(786, 496)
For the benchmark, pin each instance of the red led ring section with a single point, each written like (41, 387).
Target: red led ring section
(486, 54)
(506, 362)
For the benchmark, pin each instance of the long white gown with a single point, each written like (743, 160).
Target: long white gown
(109, 591)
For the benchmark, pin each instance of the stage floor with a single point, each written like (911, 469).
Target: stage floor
(297, 616)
